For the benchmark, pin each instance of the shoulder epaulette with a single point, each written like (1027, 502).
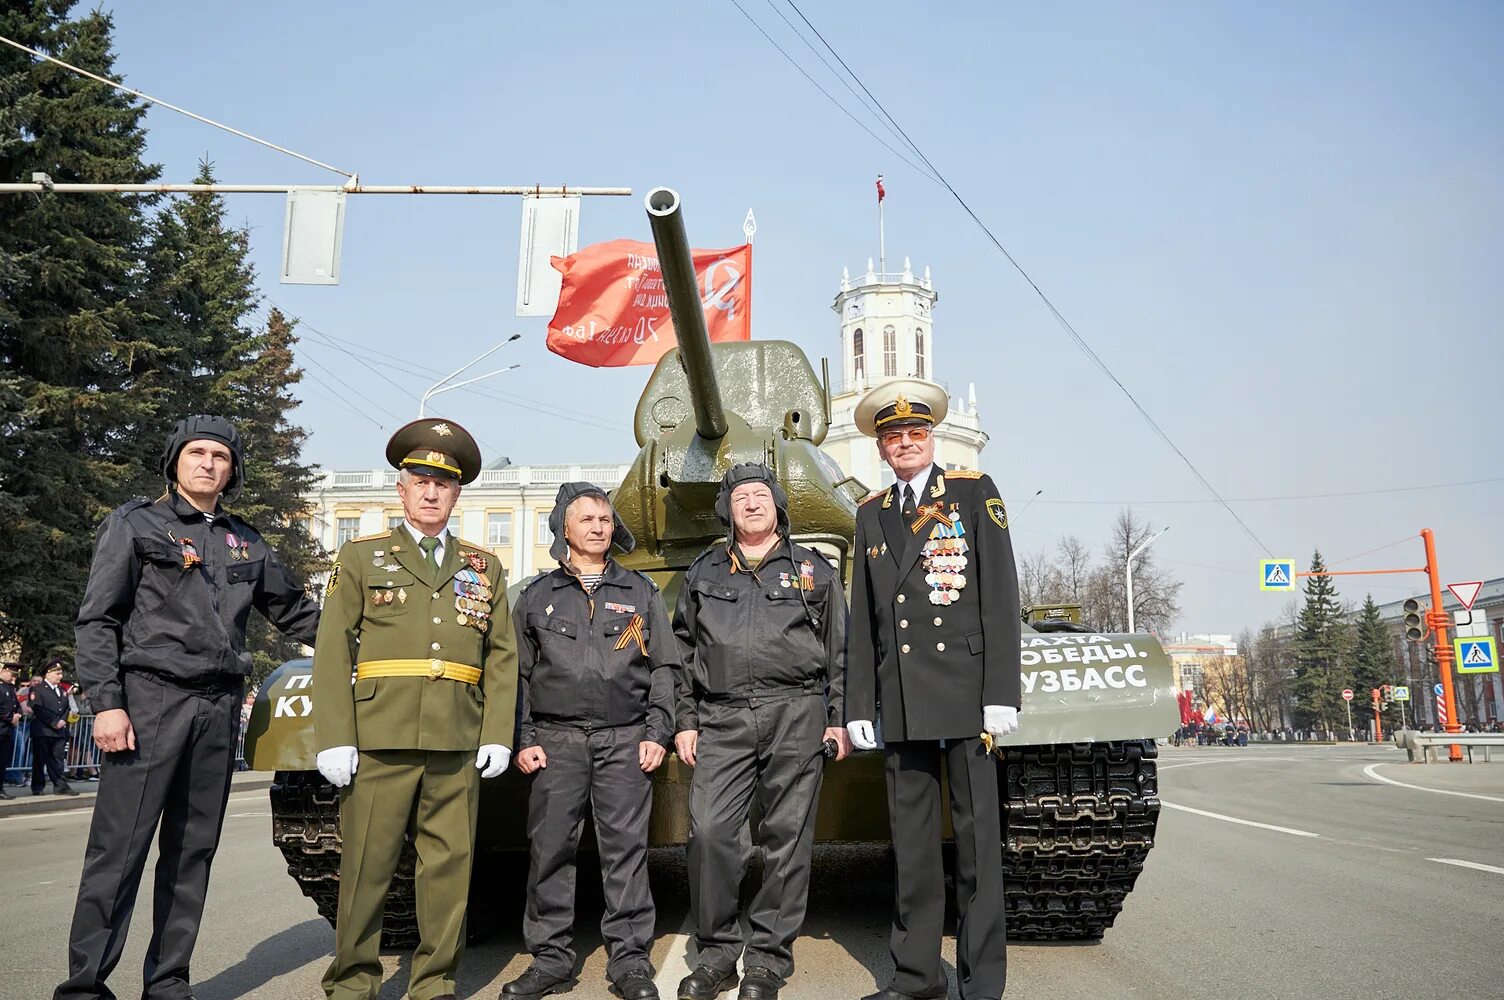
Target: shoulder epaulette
(871, 497)
(649, 579)
(542, 575)
(370, 538)
(476, 545)
(134, 503)
(963, 474)
(709, 549)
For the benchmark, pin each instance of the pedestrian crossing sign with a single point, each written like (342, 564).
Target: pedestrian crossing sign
(1277, 574)
(1476, 655)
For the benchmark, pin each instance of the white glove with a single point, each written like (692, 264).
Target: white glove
(492, 759)
(862, 736)
(999, 720)
(338, 764)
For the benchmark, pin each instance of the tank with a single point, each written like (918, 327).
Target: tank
(1078, 782)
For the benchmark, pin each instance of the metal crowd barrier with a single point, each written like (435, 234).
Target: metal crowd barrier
(83, 758)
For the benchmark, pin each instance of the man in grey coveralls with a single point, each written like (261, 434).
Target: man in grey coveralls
(761, 622)
(596, 661)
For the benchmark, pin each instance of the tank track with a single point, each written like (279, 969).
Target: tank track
(1078, 823)
(305, 828)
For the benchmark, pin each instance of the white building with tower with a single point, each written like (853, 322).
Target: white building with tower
(887, 331)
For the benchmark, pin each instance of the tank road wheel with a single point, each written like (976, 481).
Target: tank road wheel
(1078, 822)
(305, 828)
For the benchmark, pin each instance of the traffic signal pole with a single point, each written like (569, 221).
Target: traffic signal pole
(1440, 621)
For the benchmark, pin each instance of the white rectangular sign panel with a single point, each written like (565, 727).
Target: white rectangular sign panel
(550, 228)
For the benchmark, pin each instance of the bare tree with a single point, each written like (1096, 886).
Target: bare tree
(1156, 592)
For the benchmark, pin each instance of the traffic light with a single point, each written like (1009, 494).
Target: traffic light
(1415, 630)
(1388, 691)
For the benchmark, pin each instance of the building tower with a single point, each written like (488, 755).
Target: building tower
(887, 332)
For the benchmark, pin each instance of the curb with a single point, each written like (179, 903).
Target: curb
(27, 804)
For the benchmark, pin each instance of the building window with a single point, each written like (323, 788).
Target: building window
(890, 351)
(544, 536)
(394, 521)
(858, 354)
(919, 354)
(346, 529)
(454, 525)
(499, 528)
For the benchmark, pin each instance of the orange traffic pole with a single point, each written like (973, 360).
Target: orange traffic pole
(1442, 648)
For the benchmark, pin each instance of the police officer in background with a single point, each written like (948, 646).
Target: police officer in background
(161, 649)
(420, 618)
(596, 667)
(49, 732)
(10, 718)
(934, 638)
(762, 628)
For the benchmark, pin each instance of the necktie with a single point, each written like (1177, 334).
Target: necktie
(908, 503)
(429, 547)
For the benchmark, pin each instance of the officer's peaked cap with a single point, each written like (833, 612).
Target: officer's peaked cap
(751, 472)
(432, 447)
(900, 402)
(568, 494)
(204, 427)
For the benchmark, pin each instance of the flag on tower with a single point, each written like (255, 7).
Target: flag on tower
(881, 191)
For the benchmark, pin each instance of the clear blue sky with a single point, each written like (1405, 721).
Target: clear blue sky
(1281, 225)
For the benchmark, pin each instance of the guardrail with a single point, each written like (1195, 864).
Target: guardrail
(1429, 744)
(83, 758)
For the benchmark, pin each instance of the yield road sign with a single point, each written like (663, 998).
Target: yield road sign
(1476, 655)
(1347, 694)
(1400, 693)
(1466, 593)
(1277, 574)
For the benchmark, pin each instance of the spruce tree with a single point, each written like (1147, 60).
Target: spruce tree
(1320, 647)
(73, 402)
(1373, 661)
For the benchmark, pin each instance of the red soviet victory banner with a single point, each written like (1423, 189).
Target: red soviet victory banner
(613, 309)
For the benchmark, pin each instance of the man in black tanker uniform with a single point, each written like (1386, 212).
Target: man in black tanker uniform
(761, 623)
(49, 732)
(934, 645)
(161, 650)
(10, 718)
(596, 664)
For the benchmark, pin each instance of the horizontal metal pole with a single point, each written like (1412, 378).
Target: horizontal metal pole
(520, 189)
(1366, 572)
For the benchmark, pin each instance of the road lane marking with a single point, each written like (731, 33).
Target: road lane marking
(1240, 822)
(1468, 864)
(1369, 770)
(1226, 760)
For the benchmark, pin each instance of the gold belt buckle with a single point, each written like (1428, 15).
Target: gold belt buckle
(435, 669)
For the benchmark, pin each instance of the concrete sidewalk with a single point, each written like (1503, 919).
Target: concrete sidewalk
(24, 803)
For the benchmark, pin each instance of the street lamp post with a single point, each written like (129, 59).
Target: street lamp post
(444, 385)
(1128, 569)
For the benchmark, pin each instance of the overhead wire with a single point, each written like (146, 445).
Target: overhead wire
(1080, 342)
(1295, 496)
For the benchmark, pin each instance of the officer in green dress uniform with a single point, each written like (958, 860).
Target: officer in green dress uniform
(420, 618)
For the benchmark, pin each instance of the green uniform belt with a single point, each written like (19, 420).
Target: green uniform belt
(432, 669)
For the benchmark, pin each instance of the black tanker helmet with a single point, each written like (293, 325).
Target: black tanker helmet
(568, 494)
(750, 472)
(204, 427)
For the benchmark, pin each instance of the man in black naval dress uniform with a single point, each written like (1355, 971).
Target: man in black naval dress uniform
(933, 657)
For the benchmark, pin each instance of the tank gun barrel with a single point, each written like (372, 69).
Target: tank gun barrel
(682, 286)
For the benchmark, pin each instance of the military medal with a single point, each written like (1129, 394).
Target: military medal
(234, 544)
(190, 554)
(476, 561)
(402, 596)
(783, 580)
(806, 575)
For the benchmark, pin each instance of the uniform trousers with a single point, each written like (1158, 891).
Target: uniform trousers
(599, 767)
(48, 754)
(7, 751)
(767, 748)
(914, 805)
(440, 791)
(178, 776)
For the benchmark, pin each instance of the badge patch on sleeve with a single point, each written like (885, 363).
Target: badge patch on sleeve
(333, 580)
(998, 513)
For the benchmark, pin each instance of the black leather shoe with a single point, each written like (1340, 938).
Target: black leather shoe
(5, 795)
(65, 790)
(706, 983)
(891, 994)
(535, 983)
(635, 984)
(759, 984)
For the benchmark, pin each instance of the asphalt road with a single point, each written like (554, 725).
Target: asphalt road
(1281, 871)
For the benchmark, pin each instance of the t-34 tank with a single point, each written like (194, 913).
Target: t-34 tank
(1078, 780)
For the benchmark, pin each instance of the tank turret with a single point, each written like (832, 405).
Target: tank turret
(707, 407)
